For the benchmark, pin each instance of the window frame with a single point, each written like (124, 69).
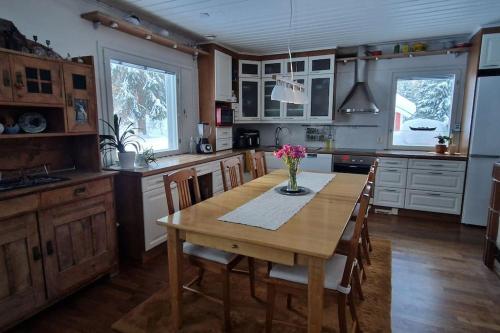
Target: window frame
(114, 55)
(455, 116)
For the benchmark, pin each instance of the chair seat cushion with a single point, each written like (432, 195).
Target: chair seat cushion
(207, 253)
(356, 210)
(349, 231)
(334, 269)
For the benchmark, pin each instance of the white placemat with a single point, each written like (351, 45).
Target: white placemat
(271, 210)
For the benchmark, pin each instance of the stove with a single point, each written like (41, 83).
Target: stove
(353, 163)
(28, 181)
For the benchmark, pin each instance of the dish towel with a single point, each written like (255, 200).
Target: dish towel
(271, 210)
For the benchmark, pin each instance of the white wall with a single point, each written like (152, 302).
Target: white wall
(380, 80)
(59, 21)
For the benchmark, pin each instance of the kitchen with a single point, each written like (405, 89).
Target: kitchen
(220, 95)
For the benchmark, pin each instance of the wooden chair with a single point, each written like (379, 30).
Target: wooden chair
(215, 261)
(340, 274)
(259, 166)
(232, 167)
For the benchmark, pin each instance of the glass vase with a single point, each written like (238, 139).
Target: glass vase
(292, 179)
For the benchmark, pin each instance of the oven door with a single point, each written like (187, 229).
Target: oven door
(351, 168)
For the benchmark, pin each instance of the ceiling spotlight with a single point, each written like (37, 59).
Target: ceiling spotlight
(210, 37)
(204, 15)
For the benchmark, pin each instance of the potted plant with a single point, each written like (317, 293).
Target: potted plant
(146, 158)
(441, 146)
(291, 157)
(119, 141)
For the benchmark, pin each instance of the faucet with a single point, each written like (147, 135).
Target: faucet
(277, 136)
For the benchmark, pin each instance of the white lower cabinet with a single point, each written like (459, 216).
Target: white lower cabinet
(438, 181)
(438, 202)
(155, 207)
(389, 197)
(391, 177)
(272, 162)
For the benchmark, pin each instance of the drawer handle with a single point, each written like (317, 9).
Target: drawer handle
(435, 173)
(393, 163)
(392, 170)
(434, 194)
(387, 190)
(50, 248)
(79, 190)
(37, 255)
(437, 165)
(234, 246)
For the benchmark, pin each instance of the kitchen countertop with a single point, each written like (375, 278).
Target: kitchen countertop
(74, 177)
(175, 162)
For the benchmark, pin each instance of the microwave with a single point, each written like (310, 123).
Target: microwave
(223, 116)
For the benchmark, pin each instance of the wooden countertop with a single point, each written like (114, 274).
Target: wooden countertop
(74, 177)
(175, 162)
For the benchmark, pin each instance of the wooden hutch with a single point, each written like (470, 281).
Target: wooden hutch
(57, 237)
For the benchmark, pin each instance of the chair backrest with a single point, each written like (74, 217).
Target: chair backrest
(181, 179)
(259, 166)
(234, 169)
(354, 241)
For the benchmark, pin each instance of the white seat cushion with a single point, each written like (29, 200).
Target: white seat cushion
(334, 269)
(349, 231)
(207, 253)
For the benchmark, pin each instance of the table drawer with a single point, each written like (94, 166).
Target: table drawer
(389, 197)
(415, 163)
(439, 202)
(438, 181)
(223, 132)
(75, 192)
(391, 177)
(247, 249)
(393, 162)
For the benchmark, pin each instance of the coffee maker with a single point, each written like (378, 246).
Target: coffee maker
(204, 131)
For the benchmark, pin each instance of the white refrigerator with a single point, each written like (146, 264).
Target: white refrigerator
(484, 151)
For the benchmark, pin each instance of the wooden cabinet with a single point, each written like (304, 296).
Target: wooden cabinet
(78, 241)
(250, 94)
(490, 52)
(22, 286)
(223, 77)
(36, 80)
(81, 108)
(5, 78)
(320, 97)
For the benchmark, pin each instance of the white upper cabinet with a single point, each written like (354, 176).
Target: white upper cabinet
(296, 111)
(300, 66)
(324, 64)
(272, 67)
(271, 110)
(490, 52)
(320, 91)
(223, 69)
(250, 95)
(249, 68)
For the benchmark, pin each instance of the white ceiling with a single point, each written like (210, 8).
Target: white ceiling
(261, 26)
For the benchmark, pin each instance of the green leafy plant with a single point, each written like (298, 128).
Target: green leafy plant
(149, 156)
(442, 139)
(119, 140)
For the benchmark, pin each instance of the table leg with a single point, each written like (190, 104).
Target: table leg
(175, 275)
(315, 294)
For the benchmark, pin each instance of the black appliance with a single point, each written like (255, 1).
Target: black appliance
(247, 138)
(28, 181)
(348, 163)
(223, 116)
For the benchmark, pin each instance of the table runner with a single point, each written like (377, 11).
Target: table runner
(271, 210)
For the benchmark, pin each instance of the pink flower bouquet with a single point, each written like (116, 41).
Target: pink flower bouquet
(291, 156)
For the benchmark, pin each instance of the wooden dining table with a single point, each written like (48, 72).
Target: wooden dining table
(308, 238)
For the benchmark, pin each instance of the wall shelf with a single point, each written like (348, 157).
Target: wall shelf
(139, 31)
(455, 50)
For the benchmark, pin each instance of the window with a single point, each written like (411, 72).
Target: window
(423, 108)
(147, 97)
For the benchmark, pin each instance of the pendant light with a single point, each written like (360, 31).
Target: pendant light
(289, 91)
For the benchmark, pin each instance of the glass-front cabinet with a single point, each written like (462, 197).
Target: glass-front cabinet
(299, 66)
(271, 110)
(250, 93)
(80, 98)
(249, 68)
(296, 111)
(320, 96)
(272, 67)
(36, 80)
(324, 64)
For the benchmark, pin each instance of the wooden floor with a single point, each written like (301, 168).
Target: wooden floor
(439, 284)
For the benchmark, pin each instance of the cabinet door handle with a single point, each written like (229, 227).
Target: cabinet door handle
(69, 100)
(80, 190)
(234, 246)
(434, 194)
(6, 78)
(37, 255)
(50, 248)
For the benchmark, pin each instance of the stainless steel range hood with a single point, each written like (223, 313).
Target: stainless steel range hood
(360, 98)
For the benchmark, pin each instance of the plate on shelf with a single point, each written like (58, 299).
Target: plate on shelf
(32, 122)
